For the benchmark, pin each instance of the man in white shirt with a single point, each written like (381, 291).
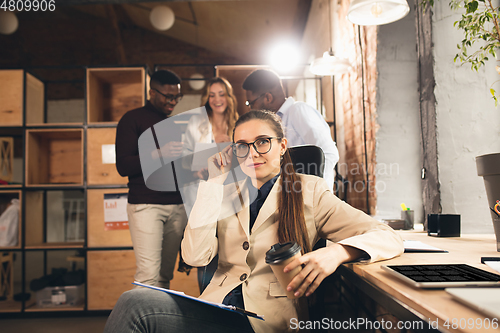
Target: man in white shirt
(303, 123)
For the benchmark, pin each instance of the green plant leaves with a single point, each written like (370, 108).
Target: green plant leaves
(479, 22)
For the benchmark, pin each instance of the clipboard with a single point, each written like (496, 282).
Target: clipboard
(217, 305)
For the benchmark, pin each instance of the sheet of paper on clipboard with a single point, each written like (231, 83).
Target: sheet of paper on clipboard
(203, 151)
(196, 299)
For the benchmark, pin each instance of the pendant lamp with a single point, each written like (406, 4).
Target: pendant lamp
(8, 23)
(162, 18)
(377, 12)
(329, 64)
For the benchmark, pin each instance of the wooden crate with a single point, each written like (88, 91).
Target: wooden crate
(35, 101)
(12, 85)
(11, 97)
(109, 274)
(54, 157)
(37, 204)
(10, 280)
(5, 199)
(97, 236)
(11, 156)
(6, 158)
(111, 92)
(100, 171)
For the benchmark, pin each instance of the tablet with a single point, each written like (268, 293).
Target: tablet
(437, 276)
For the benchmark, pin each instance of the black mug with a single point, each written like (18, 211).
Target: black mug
(443, 225)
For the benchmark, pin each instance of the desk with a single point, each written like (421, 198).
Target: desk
(406, 302)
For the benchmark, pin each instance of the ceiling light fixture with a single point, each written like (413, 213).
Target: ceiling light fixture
(8, 23)
(284, 57)
(162, 18)
(197, 81)
(377, 12)
(329, 64)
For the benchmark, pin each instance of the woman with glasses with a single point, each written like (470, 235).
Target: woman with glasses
(289, 207)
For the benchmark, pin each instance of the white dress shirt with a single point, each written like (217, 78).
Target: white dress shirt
(304, 125)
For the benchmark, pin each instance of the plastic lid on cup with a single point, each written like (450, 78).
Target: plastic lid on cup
(280, 252)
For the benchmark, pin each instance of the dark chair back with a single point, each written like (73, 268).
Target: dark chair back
(308, 159)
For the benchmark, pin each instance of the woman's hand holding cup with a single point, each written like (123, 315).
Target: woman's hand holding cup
(317, 265)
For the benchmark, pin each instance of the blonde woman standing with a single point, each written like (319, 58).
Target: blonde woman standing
(220, 104)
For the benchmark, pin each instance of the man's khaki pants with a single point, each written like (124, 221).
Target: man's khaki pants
(156, 232)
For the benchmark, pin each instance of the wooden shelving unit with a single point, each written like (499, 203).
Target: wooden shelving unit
(65, 172)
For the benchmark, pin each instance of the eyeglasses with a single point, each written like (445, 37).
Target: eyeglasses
(247, 103)
(169, 97)
(261, 146)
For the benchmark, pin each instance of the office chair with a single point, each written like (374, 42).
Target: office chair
(310, 160)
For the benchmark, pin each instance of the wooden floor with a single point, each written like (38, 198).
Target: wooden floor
(54, 325)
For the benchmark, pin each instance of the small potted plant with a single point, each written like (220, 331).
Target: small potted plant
(488, 167)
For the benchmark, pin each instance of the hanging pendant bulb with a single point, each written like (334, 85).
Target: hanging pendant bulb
(377, 12)
(329, 65)
(8, 23)
(162, 18)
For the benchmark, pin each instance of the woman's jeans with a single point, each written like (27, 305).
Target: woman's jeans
(147, 310)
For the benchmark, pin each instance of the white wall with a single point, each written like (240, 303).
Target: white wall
(398, 138)
(468, 124)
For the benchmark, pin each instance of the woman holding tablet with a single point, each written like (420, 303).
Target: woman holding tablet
(220, 104)
(289, 207)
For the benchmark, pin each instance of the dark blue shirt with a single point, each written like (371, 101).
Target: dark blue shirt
(235, 297)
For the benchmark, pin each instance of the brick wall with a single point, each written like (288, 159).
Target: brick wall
(350, 107)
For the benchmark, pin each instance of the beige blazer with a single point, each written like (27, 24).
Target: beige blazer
(213, 229)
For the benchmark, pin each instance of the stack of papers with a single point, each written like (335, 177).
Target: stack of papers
(494, 264)
(418, 246)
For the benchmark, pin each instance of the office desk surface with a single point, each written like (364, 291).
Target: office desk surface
(435, 305)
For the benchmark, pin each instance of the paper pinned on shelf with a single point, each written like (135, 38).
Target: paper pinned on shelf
(108, 154)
